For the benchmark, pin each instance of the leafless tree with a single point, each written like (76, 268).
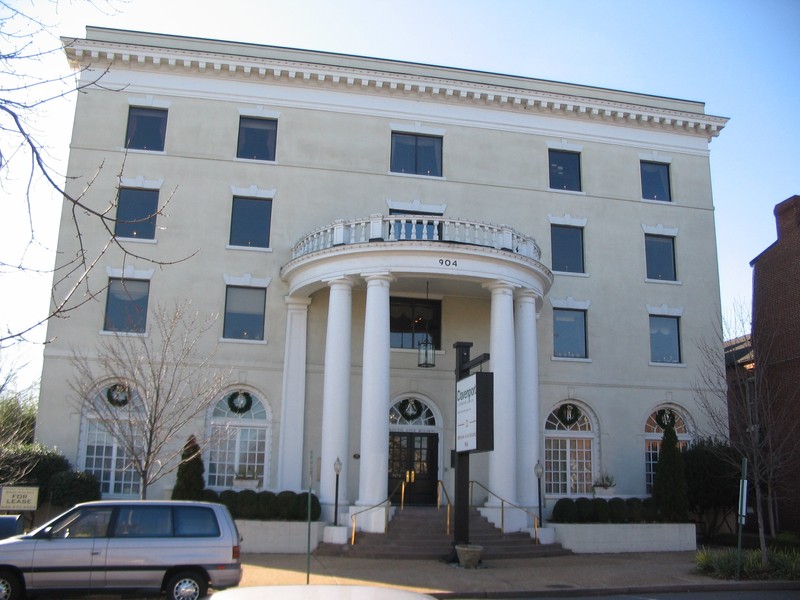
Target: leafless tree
(745, 403)
(29, 173)
(153, 387)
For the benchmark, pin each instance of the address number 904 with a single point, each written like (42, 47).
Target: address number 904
(446, 262)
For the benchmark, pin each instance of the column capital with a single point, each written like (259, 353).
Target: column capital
(499, 286)
(297, 301)
(378, 277)
(341, 280)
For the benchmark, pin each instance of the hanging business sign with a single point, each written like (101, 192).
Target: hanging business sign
(475, 413)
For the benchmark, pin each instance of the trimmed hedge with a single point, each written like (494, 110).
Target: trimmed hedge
(268, 506)
(602, 510)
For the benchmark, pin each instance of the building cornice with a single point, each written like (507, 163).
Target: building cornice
(385, 77)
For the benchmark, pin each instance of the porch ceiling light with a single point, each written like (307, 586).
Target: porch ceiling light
(427, 354)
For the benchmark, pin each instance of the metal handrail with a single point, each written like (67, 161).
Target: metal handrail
(439, 489)
(387, 502)
(503, 502)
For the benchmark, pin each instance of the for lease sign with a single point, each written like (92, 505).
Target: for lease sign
(18, 498)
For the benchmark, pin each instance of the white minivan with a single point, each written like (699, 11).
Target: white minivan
(175, 547)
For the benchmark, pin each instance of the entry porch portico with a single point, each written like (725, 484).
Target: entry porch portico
(403, 254)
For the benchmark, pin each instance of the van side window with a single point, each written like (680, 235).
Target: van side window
(144, 521)
(195, 521)
(90, 522)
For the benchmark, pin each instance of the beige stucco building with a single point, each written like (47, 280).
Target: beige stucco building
(339, 210)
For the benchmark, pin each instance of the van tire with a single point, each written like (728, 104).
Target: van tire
(187, 585)
(10, 586)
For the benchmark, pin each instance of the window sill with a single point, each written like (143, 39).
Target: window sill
(570, 274)
(142, 151)
(137, 240)
(223, 340)
(142, 334)
(664, 281)
(418, 176)
(415, 351)
(668, 365)
(250, 248)
(654, 201)
(563, 191)
(570, 359)
(258, 161)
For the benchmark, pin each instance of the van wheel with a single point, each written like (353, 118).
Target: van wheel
(10, 586)
(185, 585)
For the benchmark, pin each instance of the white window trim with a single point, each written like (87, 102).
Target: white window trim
(564, 144)
(247, 280)
(664, 311)
(660, 230)
(417, 128)
(148, 101)
(259, 112)
(570, 303)
(656, 157)
(252, 192)
(416, 206)
(568, 220)
(141, 182)
(130, 272)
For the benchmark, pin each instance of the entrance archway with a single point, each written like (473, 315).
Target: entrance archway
(413, 451)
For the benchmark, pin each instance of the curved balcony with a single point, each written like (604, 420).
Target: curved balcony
(399, 228)
(414, 249)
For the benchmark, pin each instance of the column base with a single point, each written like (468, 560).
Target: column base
(372, 521)
(509, 519)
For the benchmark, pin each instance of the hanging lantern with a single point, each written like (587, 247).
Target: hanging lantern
(427, 355)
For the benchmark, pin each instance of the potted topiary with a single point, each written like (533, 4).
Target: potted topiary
(604, 485)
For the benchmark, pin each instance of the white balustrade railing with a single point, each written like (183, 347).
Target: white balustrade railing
(399, 228)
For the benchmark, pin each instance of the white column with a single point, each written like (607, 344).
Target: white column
(527, 397)
(336, 394)
(374, 464)
(503, 460)
(291, 463)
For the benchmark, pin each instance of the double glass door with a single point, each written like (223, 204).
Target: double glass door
(413, 458)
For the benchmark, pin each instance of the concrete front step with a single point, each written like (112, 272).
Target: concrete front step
(419, 532)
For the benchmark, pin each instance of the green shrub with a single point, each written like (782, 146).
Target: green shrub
(781, 564)
(266, 502)
(649, 510)
(300, 508)
(189, 482)
(68, 488)
(617, 510)
(39, 465)
(564, 511)
(284, 503)
(209, 496)
(600, 510)
(247, 503)
(670, 491)
(584, 508)
(635, 510)
(230, 498)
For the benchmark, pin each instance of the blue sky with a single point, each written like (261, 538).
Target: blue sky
(740, 57)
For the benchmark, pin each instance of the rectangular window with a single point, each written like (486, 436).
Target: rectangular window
(147, 128)
(109, 462)
(665, 341)
(257, 138)
(567, 248)
(416, 154)
(126, 305)
(568, 466)
(251, 219)
(414, 320)
(195, 521)
(565, 170)
(655, 181)
(569, 333)
(660, 254)
(136, 213)
(244, 313)
(143, 522)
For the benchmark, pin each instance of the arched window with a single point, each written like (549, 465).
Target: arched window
(654, 431)
(411, 411)
(568, 451)
(239, 440)
(105, 456)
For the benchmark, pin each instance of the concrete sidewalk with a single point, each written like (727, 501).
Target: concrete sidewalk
(502, 578)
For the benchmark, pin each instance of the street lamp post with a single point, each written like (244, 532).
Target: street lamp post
(337, 467)
(539, 470)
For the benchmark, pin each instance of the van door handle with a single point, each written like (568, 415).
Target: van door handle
(95, 553)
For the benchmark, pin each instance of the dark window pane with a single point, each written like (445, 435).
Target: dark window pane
(250, 222)
(136, 213)
(660, 251)
(257, 138)
(413, 320)
(655, 181)
(126, 306)
(569, 333)
(194, 521)
(143, 521)
(665, 346)
(565, 170)
(416, 154)
(147, 128)
(244, 313)
(567, 248)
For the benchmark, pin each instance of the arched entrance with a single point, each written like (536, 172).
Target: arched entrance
(413, 451)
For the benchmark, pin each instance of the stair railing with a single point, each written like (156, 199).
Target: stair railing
(503, 503)
(387, 504)
(439, 489)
